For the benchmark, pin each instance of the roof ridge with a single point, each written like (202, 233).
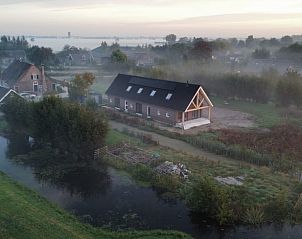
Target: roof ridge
(150, 78)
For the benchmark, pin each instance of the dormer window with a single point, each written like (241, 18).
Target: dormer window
(168, 97)
(153, 93)
(140, 90)
(129, 88)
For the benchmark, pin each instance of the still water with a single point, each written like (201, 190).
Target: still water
(112, 199)
(57, 43)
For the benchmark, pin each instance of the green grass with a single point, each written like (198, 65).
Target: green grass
(25, 214)
(267, 115)
(114, 137)
(261, 182)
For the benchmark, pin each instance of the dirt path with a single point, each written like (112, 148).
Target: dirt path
(174, 144)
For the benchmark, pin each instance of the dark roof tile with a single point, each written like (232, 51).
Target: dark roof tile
(14, 71)
(182, 93)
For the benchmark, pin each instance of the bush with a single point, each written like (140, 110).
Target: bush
(254, 216)
(206, 198)
(279, 207)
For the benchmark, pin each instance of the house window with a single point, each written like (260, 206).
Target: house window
(32, 77)
(140, 90)
(117, 102)
(138, 108)
(148, 111)
(167, 115)
(16, 88)
(126, 105)
(168, 97)
(129, 88)
(35, 86)
(53, 86)
(158, 112)
(153, 93)
(37, 77)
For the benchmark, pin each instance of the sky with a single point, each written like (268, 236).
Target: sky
(208, 18)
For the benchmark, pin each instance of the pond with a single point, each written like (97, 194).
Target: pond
(110, 198)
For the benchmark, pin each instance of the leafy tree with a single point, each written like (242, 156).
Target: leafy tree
(201, 50)
(104, 44)
(250, 41)
(79, 86)
(171, 39)
(17, 112)
(241, 44)
(118, 56)
(41, 55)
(70, 128)
(114, 46)
(261, 54)
(289, 89)
(286, 40)
(206, 198)
(8, 43)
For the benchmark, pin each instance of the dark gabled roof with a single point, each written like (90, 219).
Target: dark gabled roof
(182, 93)
(14, 71)
(4, 92)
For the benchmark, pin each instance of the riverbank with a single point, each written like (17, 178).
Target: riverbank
(25, 214)
(271, 194)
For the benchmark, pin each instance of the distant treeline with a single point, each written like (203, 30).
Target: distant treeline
(284, 89)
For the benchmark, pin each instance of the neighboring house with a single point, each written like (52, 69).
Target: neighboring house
(25, 77)
(9, 56)
(5, 93)
(79, 59)
(180, 104)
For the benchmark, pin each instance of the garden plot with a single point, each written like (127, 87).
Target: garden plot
(131, 154)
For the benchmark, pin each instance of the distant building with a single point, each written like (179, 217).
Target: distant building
(80, 59)
(69, 34)
(25, 77)
(175, 103)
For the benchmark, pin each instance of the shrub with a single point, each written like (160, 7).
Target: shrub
(254, 216)
(206, 198)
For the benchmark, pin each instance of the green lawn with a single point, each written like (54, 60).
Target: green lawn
(24, 214)
(267, 115)
(114, 137)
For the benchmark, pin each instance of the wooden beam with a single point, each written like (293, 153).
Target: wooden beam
(198, 108)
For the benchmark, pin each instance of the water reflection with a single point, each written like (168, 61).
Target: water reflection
(105, 197)
(84, 180)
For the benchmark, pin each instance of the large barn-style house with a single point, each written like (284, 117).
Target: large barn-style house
(179, 104)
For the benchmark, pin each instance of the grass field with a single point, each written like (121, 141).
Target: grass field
(267, 115)
(26, 215)
(261, 183)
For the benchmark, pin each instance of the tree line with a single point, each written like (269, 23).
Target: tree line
(69, 128)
